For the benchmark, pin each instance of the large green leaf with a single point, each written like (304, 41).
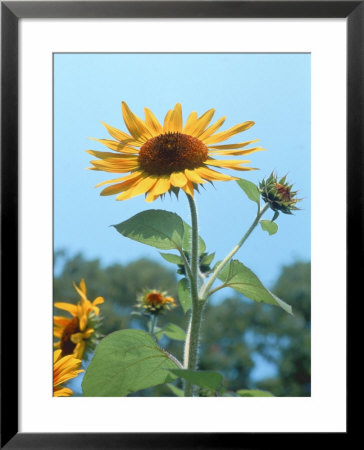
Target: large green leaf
(242, 279)
(124, 362)
(172, 331)
(268, 225)
(250, 189)
(155, 227)
(184, 295)
(187, 240)
(253, 393)
(203, 378)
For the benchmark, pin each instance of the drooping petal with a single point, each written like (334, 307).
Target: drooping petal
(121, 137)
(67, 307)
(118, 146)
(140, 187)
(115, 180)
(121, 187)
(212, 175)
(188, 188)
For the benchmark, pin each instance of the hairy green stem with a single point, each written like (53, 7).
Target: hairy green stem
(193, 332)
(205, 290)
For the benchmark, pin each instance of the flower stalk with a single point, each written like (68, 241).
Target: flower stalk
(205, 290)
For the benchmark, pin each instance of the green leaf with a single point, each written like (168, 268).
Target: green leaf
(172, 331)
(203, 378)
(174, 259)
(177, 391)
(155, 227)
(253, 393)
(269, 226)
(184, 295)
(250, 189)
(207, 260)
(243, 280)
(187, 240)
(124, 362)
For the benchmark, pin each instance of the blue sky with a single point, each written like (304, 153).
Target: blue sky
(273, 90)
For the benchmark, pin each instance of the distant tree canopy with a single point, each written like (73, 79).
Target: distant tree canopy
(234, 330)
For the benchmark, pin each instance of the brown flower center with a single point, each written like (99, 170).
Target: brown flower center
(171, 152)
(67, 345)
(284, 192)
(155, 298)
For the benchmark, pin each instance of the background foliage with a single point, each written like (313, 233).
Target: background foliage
(236, 332)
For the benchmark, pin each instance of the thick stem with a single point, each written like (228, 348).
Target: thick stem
(205, 291)
(192, 343)
(193, 332)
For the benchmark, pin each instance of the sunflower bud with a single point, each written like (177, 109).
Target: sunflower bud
(205, 260)
(279, 194)
(154, 301)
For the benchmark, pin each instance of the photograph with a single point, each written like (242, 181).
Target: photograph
(181, 224)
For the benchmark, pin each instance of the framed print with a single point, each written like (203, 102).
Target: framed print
(180, 221)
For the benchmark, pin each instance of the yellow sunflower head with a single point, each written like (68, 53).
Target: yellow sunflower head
(165, 158)
(64, 368)
(78, 334)
(153, 301)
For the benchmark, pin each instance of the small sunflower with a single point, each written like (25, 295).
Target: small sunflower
(64, 368)
(168, 157)
(77, 334)
(154, 301)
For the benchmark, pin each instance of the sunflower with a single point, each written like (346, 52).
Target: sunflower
(64, 368)
(154, 301)
(77, 334)
(168, 157)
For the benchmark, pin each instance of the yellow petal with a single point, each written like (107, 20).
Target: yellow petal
(224, 135)
(178, 179)
(118, 146)
(124, 178)
(67, 307)
(121, 187)
(62, 392)
(76, 338)
(137, 128)
(231, 146)
(140, 187)
(236, 152)
(167, 126)
(188, 188)
(98, 301)
(202, 123)
(161, 186)
(212, 128)
(177, 118)
(152, 122)
(120, 136)
(88, 333)
(190, 123)
(61, 321)
(229, 164)
(193, 176)
(108, 156)
(83, 286)
(212, 175)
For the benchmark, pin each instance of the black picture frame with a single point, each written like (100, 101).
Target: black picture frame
(11, 12)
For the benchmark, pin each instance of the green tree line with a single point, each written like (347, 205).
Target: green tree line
(234, 331)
